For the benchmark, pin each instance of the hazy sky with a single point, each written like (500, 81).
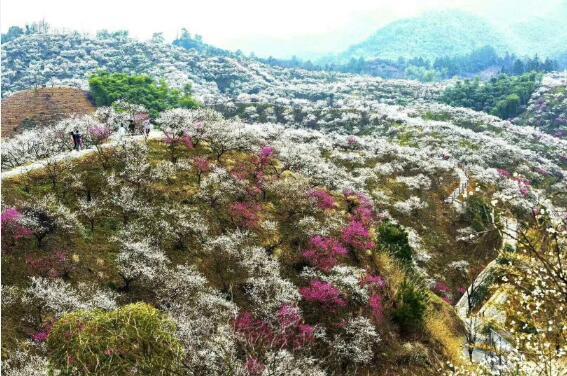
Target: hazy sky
(280, 28)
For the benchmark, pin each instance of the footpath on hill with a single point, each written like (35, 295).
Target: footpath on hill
(74, 154)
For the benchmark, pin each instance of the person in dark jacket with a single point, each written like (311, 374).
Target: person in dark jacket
(75, 136)
(132, 126)
(80, 140)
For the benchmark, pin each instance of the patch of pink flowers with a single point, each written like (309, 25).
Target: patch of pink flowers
(10, 215)
(324, 294)
(201, 164)
(255, 332)
(245, 214)
(361, 207)
(352, 141)
(54, 265)
(100, 134)
(323, 199)
(377, 307)
(254, 366)
(187, 141)
(357, 236)
(43, 334)
(373, 281)
(504, 173)
(266, 154)
(40, 336)
(443, 291)
(11, 227)
(293, 333)
(442, 287)
(324, 252)
(287, 331)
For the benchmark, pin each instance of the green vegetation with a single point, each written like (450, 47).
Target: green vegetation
(136, 336)
(395, 239)
(477, 213)
(504, 96)
(106, 88)
(428, 70)
(412, 304)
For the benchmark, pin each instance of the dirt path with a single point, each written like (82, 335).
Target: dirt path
(490, 310)
(37, 165)
(463, 185)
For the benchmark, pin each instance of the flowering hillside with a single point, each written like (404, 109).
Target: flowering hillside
(297, 223)
(548, 106)
(268, 249)
(68, 59)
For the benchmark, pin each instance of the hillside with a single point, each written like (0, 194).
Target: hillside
(43, 106)
(69, 59)
(432, 35)
(300, 223)
(547, 108)
(251, 223)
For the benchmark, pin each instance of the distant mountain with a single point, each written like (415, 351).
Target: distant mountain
(546, 37)
(434, 34)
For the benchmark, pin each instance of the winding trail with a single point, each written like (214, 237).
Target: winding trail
(490, 310)
(463, 186)
(71, 155)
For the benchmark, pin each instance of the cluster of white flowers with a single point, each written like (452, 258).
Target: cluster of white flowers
(356, 342)
(410, 206)
(58, 297)
(140, 259)
(46, 141)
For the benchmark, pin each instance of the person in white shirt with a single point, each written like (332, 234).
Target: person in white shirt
(148, 126)
(121, 131)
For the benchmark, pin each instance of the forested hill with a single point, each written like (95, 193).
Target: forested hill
(432, 35)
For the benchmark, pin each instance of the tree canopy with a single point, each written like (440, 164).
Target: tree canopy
(504, 96)
(106, 88)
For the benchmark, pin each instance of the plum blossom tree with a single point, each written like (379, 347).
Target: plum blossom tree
(12, 228)
(174, 124)
(201, 166)
(286, 331)
(47, 298)
(323, 199)
(324, 294)
(324, 252)
(536, 300)
(140, 260)
(47, 216)
(202, 316)
(245, 215)
(91, 210)
(357, 236)
(355, 343)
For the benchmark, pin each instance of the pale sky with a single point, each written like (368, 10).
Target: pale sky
(281, 28)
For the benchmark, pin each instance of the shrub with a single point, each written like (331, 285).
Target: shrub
(135, 338)
(394, 238)
(106, 88)
(477, 213)
(411, 306)
(357, 236)
(323, 293)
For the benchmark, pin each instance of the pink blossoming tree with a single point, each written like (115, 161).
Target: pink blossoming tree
(324, 252)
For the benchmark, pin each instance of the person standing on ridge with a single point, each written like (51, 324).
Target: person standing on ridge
(132, 126)
(74, 136)
(147, 128)
(79, 141)
(121, 132)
